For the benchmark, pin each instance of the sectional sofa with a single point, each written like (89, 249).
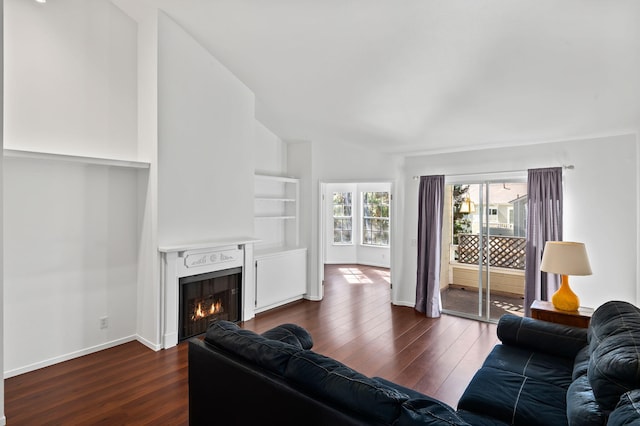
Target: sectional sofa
(540, 374)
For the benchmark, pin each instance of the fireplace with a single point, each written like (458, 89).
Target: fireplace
(186, 263)
(205, 298)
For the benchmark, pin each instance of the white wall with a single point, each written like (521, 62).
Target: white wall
(71, 255)
(356, 252)
(270, 152)
(148, 308)
(71, 78)
(3, 419)
(600, 208)
(206, 140)
(70, 259)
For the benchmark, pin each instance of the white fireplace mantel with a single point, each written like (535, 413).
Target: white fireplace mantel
(183, 260)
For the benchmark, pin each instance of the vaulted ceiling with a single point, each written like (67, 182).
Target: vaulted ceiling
(429, 75)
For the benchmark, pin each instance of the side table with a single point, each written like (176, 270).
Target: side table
(547, 312)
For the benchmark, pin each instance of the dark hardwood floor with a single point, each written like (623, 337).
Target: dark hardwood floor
(355, 323)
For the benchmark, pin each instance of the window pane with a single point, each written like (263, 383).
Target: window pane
(375, 214)
(342, 217)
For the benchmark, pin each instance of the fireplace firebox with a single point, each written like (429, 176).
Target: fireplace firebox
(206, 298)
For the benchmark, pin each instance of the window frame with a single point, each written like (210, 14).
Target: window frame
(364, 218)
(334, 217)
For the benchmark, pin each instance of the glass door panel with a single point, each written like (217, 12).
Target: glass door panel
(483, 264)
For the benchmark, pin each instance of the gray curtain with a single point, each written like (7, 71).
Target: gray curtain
(430, 204)
(544, 223)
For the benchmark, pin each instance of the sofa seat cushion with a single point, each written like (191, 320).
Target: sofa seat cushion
(582, 408)
(627, 412)
(272, 355)
(476, 419)
(330, 380)
(421, 409)
(515, 399)
(552, 369)
(428, 411)
(614, 341)
(292, 334)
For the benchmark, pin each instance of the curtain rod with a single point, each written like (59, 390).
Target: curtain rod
(566, 167)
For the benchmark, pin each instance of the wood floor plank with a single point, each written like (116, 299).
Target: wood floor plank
(355, 323)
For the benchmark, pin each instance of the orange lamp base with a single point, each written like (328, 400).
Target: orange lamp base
(565, 299)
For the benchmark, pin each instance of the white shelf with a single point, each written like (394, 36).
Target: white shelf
(275, 217)
(276, 210)
(283, 200)
(205, 244)
(37, 155)
(277, 178)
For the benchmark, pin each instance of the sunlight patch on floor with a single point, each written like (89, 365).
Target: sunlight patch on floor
(354, 276)
(509, 307)
(384, 274)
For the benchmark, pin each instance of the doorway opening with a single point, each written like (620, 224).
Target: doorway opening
(356, 228)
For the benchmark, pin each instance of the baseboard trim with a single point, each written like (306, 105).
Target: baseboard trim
(153, 346)
(67, 357)
(401, 303)
(313, 298)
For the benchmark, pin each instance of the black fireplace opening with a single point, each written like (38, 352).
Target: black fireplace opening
(206, 298)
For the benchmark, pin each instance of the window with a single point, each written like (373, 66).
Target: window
(375, 218)
(342, 218)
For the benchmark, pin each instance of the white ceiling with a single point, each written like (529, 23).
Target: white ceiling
(429, 76)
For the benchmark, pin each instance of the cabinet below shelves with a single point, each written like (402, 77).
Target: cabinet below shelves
(281, 276)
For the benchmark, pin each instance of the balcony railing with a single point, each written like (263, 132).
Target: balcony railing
(505, 252)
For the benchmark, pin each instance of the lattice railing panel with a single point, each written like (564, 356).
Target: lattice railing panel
(506, 252)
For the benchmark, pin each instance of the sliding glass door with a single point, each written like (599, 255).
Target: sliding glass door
(483, 262)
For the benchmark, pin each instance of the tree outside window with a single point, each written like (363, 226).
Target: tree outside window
(375, 218)
(342, 218)
(461, 220)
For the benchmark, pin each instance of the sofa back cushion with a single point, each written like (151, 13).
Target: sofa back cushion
(582, 408)
(333, 381)
(614, 342)
(541, 336)
(627, 412)
(292, 334)
(272, 355)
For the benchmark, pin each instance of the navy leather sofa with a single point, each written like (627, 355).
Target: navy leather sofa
(540, 374)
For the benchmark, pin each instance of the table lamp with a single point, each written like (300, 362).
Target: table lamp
(565, 258)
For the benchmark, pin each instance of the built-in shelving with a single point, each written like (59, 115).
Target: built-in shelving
(280, 263)
(276, 212)
(38, 155)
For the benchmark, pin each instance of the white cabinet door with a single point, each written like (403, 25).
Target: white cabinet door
(280, 278)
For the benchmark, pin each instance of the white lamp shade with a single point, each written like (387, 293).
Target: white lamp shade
(565, 258)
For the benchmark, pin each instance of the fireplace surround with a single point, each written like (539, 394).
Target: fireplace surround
(185, 261)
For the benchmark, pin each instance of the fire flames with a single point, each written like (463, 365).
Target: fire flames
(201, 311)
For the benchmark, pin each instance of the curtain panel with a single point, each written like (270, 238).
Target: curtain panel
(430, 207)
(544, 223)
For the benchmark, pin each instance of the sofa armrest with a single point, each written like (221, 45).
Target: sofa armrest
(537, 335)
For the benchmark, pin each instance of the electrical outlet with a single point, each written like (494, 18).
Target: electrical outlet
(104, 323)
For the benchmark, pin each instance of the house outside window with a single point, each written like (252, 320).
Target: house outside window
(342, 218)
(375, 218)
